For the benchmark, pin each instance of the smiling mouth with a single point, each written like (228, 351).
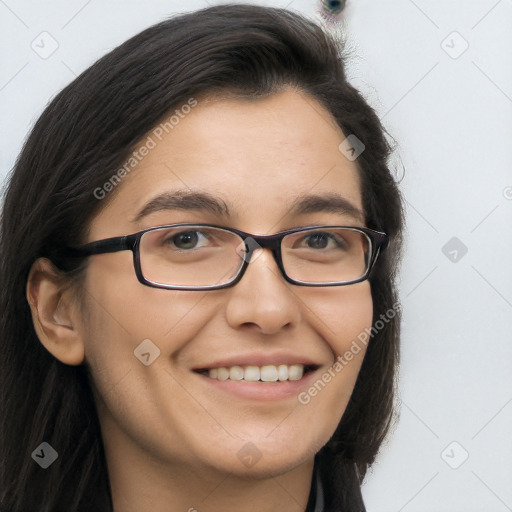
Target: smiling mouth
(267, 373)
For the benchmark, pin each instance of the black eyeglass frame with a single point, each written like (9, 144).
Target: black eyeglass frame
(379, 241)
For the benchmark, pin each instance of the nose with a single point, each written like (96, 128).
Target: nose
(262, 299)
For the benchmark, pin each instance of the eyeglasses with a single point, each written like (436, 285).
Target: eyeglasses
(207, 257)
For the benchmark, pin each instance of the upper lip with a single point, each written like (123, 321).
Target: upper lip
(259, 359)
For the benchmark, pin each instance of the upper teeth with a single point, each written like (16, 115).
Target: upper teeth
(268, 373)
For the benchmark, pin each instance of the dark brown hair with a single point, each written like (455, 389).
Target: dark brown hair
(84, 135)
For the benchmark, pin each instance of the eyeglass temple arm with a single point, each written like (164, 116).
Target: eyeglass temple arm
(383, 239)
(115, 244)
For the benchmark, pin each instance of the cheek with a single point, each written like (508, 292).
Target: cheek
(343, 318)
(125, 320)
(119, 318)
(342, 315)
(129, 312)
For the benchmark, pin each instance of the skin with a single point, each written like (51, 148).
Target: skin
(171, 439)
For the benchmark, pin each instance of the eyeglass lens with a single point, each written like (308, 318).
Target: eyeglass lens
(206, 256)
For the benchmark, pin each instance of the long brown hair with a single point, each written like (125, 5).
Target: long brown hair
(83, 136)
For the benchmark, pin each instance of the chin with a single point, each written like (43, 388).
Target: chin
(261, 458)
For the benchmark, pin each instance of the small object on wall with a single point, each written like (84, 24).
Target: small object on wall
(331, 9)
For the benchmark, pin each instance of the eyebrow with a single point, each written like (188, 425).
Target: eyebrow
(187, 200)
(332, 203)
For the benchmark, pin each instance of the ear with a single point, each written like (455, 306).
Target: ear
(54, 312)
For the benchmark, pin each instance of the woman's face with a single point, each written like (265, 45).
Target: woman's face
(256, 159)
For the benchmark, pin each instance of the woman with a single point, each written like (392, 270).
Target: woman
(238, 350)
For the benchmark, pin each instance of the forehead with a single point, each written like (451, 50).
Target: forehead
(258, 157)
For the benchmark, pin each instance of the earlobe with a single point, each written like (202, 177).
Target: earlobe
(53, 314)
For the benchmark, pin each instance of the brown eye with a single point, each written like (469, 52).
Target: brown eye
(318, 241)
(186, 240)
(321, 240)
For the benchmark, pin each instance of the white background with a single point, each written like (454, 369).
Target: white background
(451, 113)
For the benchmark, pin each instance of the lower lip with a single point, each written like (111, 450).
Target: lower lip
(262, 390)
